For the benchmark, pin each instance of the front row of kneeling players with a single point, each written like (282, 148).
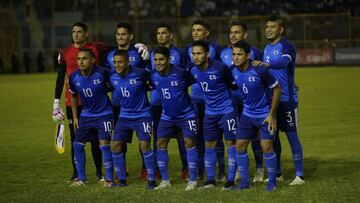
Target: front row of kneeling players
(260, 93)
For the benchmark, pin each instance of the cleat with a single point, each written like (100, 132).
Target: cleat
(163, 184)
(191, 185)
(143, 175)
(184, 174)
(122, 183)
(279, 178)
(77, 183)
(259, 175)
(270, 187)
(109, 184)
(221, 178)
(209, 184)
(243, 186)
(101, 180)
(298, 181)
(237, 175)
(228, 185)
(151, 185)
(72, 179)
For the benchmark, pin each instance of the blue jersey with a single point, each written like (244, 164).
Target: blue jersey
(255, 84)
(215, 84)
(93, 91)
(214, 54)
(179, 58)
(226, 55)
(226, 58)
(131, 91)
(173, 89)
(281, 57)
(135, 60)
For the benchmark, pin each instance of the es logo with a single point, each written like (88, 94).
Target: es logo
(251, 79)
(174, 83)
(212, 77)
(132, 81)
(96, 81)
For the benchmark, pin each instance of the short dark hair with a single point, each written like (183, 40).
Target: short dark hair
(162, 24)
(202, 23)
(203, 44)
(242, 44)
(121, 52)
(276, 18)
(162, 50)
(127, 26)
(90, 51)
(238, 23)
(80, 24)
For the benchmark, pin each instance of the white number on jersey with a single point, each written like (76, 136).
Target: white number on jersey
(124, 92)
(245, 89)
(166, 93)
(87, 92)
(205, 86)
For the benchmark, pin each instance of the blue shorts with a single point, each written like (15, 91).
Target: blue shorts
(248, 127)
(216, 125)
(287, 116)
(167, 128)
(87, 125)
(125, 128)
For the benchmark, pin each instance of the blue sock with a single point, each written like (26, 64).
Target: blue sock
(270, 159)
(256, 147)
(108, 162)
(242, 160)
(120, 165)
(277, 150)
(297, 152)
(149, 159)
(182, 153)
(210, 163)
(192, 157)
(80, 160)
(231, 163)
(163, 161)
(220, 154)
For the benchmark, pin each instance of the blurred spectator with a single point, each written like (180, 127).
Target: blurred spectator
(40, 62)
(26, 62)
(14, 63)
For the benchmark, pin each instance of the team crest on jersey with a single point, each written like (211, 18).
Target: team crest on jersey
(195, 76)
(131, 58)
(251, 79)
(172, 58)
(236, 77)
(156, 83)
(77, 83)
(96, 81)
(174, 83)
(276, 52)
(212, 77)
(132, 81)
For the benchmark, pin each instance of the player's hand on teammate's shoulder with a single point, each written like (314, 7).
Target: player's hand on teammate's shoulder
(145, 54)
(259, 63)
(58, 113)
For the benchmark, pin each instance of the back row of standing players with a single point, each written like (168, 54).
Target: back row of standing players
(213, 103)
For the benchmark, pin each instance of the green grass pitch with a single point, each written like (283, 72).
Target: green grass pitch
(329, 120)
